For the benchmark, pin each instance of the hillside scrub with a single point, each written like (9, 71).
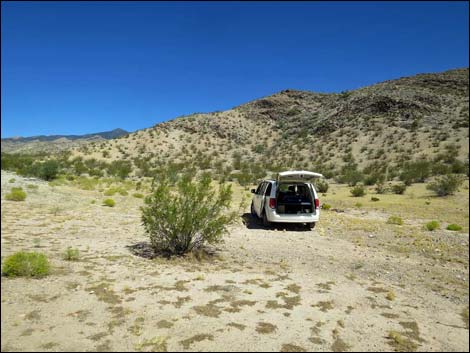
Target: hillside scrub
(187, 217)
(358, 191)
(446, 185)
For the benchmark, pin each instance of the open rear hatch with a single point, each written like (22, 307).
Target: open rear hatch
(294, 194)
(298, 176)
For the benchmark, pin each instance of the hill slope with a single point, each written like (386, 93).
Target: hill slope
(384, 124)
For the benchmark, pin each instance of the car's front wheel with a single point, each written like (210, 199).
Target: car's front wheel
(253, 212)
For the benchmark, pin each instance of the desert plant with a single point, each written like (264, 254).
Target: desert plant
(358, 190)
(381, 188)
(71, 254)
(109, 203)
(16, 194)
(28, 264)
(433, 225)
(325, 206)
(446, 185)
(187, 217)
(374, 199)
(321, 185)
(138, 195)
(49, 170)
(399, 189)
(395, 220)
(454, 227)
(12, 180)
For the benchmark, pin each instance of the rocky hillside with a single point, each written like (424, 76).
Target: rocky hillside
(54, 143)
(382, 125)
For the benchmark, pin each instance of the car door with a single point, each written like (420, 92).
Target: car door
(258, 198)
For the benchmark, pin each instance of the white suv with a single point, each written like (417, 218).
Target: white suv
(291, 198)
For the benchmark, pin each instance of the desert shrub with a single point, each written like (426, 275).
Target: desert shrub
(358, 190)
(138, 195)
(373, 198)
(380, 188)
(120, 169)
(187, 217)
(433, 225)
(12, 180)
(415, 172)
(446, 185)
(325, 206)
(48, 170)
(358, 204)
(321, 185)
(109, 203)
(16, 194)
(395, 220)
(454, 227)
(28, 264)
(399, 189)
(71, 254)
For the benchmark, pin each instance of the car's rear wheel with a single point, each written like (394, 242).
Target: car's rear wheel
(310, 226)
(266, 222)
(253, 213)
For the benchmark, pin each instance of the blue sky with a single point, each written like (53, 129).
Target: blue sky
(81, 67)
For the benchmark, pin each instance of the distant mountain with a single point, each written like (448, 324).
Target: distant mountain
(54, 143)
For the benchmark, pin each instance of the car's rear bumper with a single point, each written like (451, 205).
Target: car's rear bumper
(273, 216)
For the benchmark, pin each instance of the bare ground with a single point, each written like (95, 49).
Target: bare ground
(279, 289)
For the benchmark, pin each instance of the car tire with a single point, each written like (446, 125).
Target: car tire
(311, 226)
(266, 222)
(253, 213)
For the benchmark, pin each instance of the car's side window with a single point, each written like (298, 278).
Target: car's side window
(268, 190)
(258, 190)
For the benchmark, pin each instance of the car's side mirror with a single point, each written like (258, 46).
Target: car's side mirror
(253, 191)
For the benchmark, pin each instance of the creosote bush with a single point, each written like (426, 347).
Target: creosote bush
(399, 189)
(321, 185)
(446, 185)
(28, 264)
(358, 191)
(181, 219)
(16, 194)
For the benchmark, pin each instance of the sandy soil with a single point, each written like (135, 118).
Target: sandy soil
(278, 289)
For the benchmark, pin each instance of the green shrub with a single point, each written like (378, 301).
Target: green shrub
(138, 195)
(454, 227)
(358, 204)
(49, 170)
(321, 185)
(374, 199)
(399, 189)
(433, 225)
(178, 221)
(395, 220)
(16, 194)
(71, 254)
(12, 180)
(109, 203)
(28, 264)
(358, 190)
(381, 188)
(446, 185)
(325, 206)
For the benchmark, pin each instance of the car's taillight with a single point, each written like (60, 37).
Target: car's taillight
(272, 203)
(317, 203)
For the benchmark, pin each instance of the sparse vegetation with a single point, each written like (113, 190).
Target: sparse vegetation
(16, 194)
(71, 254)
(109, 202)
(26, 264)
(395, 220)
(454, 227)
(446, 184)
(399, 189)
(433, 225)
(358, 191)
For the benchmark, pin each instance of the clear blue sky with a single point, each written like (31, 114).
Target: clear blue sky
(81, 67)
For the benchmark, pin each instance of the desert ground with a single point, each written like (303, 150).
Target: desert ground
(353, 283)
